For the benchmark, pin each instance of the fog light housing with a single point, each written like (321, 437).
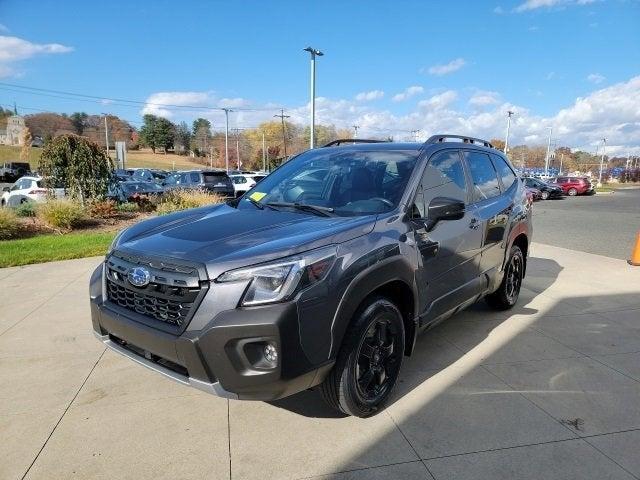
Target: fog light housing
(270, 353)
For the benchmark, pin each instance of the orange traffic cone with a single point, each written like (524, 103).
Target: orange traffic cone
(635, 253)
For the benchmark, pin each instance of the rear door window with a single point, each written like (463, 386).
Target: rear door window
(195, 177)
(483, 175)
(504, 171)
(214, 177)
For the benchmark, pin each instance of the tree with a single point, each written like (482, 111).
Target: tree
(157, 132)
(81, 165)
(499, 144)
(48, 125)
(183, 137)
(202, 134)
(79, 121)
(26, 145)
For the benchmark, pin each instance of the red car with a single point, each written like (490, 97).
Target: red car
(573, 186)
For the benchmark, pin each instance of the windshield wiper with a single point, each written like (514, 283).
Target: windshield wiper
(317, 209)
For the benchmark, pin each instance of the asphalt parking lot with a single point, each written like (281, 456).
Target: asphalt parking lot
(603, 224)
(548, 390)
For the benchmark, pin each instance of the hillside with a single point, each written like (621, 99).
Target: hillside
(141, 158)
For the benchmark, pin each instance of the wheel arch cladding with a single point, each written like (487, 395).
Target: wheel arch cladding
(392, 279)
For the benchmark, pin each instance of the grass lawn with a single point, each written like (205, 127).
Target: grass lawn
(48, 248)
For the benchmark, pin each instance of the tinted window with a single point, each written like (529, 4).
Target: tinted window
(238, 180)
(215, 177)
(483, 175)
(504, 171)
(195, 177)
(442, 177)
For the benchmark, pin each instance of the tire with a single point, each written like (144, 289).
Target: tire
(544, 195)
(506, 296)
(369, 360)
(572, 192)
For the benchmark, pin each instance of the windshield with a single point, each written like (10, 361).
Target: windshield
(349, 182)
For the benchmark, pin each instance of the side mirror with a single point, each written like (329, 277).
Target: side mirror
(6, 189)
(443, 208)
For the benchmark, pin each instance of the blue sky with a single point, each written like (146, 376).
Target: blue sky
(464, 63)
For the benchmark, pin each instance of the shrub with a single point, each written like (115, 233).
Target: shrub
(176, 200)
(129, 207)
(9, 224)
(26, 209)
(63, 214)
(103, 209)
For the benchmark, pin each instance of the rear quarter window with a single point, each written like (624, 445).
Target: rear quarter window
(215, 177)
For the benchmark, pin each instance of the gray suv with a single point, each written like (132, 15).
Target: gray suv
(320, 276)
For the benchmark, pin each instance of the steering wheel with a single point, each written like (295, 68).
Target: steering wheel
(388, 203)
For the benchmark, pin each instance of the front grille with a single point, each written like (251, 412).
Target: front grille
(171, 296)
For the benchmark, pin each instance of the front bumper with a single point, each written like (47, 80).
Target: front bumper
(222, 358)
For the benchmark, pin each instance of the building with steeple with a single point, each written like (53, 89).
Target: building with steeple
(12, 129)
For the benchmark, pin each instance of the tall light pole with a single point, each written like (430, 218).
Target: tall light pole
(226, 136)
(506, 140)
(314, 52)
(604, 144)
(546, 159)
(355, 130)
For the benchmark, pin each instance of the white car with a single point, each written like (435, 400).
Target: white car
(27, 189)
(243, 182)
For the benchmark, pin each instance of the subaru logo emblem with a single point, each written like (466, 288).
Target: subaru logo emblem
(139, 276)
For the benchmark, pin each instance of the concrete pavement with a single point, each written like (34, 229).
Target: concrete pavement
(548, 390)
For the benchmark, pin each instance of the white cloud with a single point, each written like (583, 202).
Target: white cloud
(612, 112)
(407, 93)
(482, 99)
(439, 101)
(498, 10)
(595, 78)
(370, 95)
(536, 4)
(447, 68)
(14, 49)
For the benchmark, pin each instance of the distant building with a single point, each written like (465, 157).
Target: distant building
(12, 130)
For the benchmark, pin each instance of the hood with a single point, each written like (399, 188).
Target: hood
(224, 237)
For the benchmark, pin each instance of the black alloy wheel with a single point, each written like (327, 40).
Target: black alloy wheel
(506, 296)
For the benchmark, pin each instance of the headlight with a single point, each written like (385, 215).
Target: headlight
(278, 281)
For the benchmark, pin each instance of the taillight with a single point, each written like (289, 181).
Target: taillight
(36, 191)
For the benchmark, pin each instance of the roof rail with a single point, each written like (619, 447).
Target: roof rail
(442, 136)
(352, 140)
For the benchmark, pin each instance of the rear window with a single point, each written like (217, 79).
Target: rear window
(504, 171)
(215, 177)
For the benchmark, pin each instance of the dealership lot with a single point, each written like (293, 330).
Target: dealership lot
(554, 382)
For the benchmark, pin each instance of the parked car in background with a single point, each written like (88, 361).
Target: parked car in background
(573, 186)
(28, 189)
(547, 190)
(149, 175)
(214, 181)
(245, 182)
(130, 190)
(11, 171)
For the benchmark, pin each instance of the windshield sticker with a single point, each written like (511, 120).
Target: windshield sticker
(257, 196)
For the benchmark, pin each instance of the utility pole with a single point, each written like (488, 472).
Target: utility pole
(546, 159)
(226, 137)
(264, 154)
(314, 52)
(282, 116)
(561, 158)
(237, 131)
(355, 129)
(604, 144)
(506, 140)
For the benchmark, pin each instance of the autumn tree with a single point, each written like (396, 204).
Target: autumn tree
(48, 125)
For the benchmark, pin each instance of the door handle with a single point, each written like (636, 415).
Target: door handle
(474, 224)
